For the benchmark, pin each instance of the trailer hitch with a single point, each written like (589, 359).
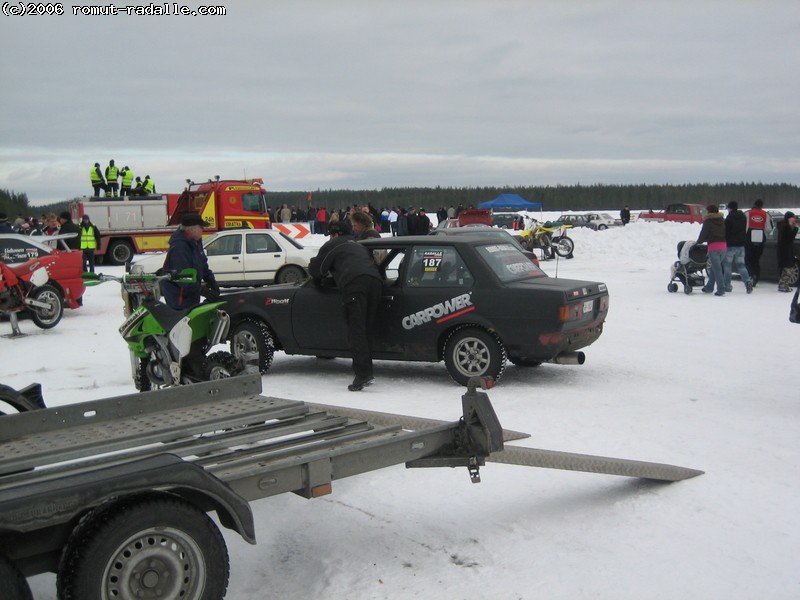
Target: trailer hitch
(478, 435)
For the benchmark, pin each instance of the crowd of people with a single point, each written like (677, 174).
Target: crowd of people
(736, 242)
(395, 220)
(114, 182)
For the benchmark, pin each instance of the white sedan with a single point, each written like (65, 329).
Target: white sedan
(245, 257)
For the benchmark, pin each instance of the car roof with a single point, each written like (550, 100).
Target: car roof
(468, 230)
(30, 239)
(434, 240)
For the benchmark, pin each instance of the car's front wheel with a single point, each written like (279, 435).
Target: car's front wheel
(472, 352)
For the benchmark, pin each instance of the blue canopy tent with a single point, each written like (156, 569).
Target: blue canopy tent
(510, 202)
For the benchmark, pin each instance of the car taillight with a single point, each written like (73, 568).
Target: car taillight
(604, 303)
(570, 312)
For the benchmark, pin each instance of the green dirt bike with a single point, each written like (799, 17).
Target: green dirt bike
(170, 347)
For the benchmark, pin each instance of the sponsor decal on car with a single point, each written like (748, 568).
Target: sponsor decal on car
(270, 301)
(441, 312)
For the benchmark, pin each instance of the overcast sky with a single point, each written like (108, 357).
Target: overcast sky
(369, 94)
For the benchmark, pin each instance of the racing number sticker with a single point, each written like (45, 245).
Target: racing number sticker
(432, 261)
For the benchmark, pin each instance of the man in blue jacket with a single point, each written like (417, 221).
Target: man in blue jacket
(186, 252)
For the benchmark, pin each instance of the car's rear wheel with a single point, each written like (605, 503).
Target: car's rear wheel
(472, 352)
(252, 343)
(602, 227)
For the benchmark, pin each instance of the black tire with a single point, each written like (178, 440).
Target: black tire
(563, 246)
(472, 352)
(221, 365)
(47, 319)
(145, 547)
(12, 583)
(794, 275)
(9, 397)
(687, 289)
(291, 274)
(602, 227)
(672, 287)
(252, 343)
(119, 252)
(141, 380)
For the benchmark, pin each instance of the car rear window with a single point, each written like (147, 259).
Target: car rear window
(508, 262)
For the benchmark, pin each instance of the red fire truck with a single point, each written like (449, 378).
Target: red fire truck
(131, 225)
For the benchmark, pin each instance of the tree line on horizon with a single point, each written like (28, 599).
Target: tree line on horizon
(553, 198)
(560, 197)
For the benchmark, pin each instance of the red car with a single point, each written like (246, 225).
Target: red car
(64, 267)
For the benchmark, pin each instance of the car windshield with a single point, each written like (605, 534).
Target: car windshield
(508, 262)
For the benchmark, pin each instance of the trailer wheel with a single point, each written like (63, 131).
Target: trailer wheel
(119, 252)
(252, 343)
(471, 352)
(291, 274)
(47, 318)
(16, 402)
(12, 582)
(221, 365)
(145, 547)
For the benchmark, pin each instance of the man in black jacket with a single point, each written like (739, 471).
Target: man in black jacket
(359, 280)
(736, 237)
(67, 226)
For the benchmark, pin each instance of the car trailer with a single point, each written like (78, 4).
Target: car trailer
(112, 494)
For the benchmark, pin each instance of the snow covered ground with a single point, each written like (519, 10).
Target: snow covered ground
(696, 381)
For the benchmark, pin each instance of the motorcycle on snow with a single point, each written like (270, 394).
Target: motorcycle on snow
(171, 347)
(26, 288)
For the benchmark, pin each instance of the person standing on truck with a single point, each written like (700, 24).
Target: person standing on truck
(713, 232)
(127, 180)
(96, 177)
(357, 277)
(67, 226)
(735, 236)
(759, 226)
(112, 177)
(149, 186)
(139, 189)
(186, 252)
(89, 242)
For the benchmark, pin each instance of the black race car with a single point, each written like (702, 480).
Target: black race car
(470, 301)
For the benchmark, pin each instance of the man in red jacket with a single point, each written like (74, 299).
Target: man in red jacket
(759, 226)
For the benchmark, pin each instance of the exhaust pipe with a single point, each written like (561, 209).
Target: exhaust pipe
(569, 358)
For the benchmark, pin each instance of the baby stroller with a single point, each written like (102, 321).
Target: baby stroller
(690, 266)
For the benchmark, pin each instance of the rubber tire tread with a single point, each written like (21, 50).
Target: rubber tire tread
(223, 359)
(35, 317)
(107, 520)
(15, 399)
(471, 330)
(263, 336)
